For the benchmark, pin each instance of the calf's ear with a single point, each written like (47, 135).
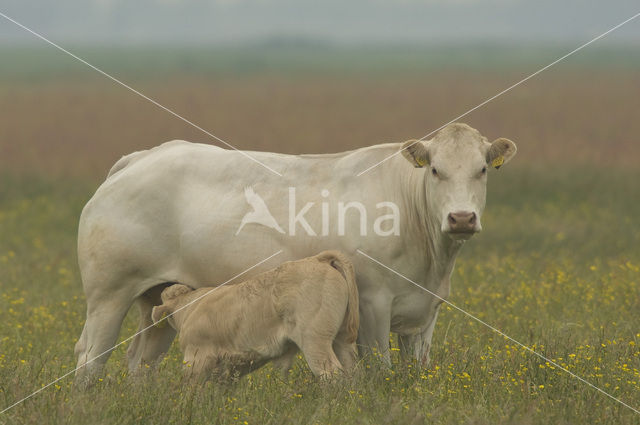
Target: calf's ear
(500, 152)
(174, 291)
(158, 313)
(416, 152)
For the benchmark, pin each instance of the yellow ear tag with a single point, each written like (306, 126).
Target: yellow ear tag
(162, 323)
(420, 162)
(497, 162)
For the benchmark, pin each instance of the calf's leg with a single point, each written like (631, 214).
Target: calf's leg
(285, 361)
(346, 352)
(320, 357)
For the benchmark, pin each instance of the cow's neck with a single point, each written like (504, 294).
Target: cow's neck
(436, 249)
(444, 251)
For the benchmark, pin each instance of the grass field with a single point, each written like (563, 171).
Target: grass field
(556, 267)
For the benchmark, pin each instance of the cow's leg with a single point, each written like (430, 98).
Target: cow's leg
(81, 345)
(419, 345)
(153, 341)
(375, 325)
(406, 344)
(101, 329)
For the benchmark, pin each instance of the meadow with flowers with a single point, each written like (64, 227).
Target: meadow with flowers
(557, 266)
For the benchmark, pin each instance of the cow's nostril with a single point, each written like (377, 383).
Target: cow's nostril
(472, 220)
(451, 219)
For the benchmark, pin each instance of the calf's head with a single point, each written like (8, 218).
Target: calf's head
(456, 162)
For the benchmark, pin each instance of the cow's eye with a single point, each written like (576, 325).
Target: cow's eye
(434, 171)
(484, 170)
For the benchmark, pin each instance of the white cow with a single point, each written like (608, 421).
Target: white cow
(171, 214)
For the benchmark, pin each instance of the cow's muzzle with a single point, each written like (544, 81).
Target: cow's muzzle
(462, 224)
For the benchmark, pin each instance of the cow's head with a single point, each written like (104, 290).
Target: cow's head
(456, 161)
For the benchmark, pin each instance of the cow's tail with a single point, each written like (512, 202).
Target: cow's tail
(124, 161)
(127, 160)
(343, 265)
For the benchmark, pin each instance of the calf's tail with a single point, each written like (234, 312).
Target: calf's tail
(343, 265)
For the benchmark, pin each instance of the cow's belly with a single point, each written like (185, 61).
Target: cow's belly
(210, 257)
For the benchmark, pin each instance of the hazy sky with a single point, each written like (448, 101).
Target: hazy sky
(341, 21)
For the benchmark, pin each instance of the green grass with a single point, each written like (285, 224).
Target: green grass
(36, 63)
(557, 268)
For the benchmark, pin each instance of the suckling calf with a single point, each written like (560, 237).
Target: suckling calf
(309, 305)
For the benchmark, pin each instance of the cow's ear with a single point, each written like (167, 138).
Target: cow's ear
(416, 152)
(500, 152)
(158, 313)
